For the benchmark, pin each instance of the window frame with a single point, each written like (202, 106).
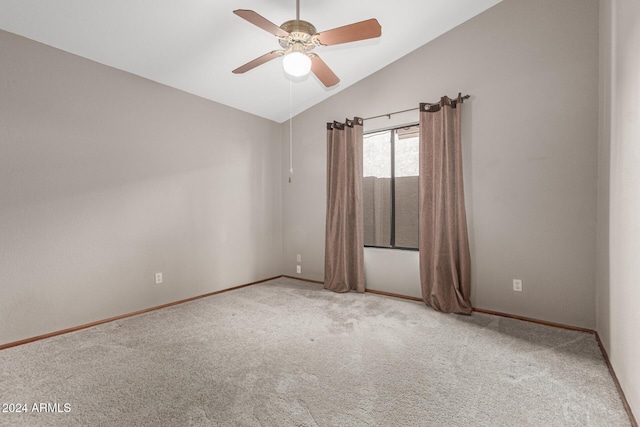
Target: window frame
(392, 191)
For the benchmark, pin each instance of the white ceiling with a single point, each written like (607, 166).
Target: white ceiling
(193, 45)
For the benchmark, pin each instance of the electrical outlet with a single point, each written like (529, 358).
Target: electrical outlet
(517, 285)
(298, 258)
(158, 278)
(298, 269)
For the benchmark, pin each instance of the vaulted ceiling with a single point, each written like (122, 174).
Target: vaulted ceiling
(193, 45)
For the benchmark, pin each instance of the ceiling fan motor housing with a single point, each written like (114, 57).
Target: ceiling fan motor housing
(299, 31)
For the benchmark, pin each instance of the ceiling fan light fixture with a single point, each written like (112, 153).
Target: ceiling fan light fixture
(297, 63)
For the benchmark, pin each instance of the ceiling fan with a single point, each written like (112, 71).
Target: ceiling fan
(298, 39)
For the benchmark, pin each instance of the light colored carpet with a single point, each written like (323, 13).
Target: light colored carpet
(288, 353)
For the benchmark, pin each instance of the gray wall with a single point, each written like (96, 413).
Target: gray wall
(618, 292)
(107, 178)
(530, 143)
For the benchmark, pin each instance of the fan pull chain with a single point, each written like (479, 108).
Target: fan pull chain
(290, 133)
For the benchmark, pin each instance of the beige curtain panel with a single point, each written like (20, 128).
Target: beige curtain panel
(445, 265)
(344, 235)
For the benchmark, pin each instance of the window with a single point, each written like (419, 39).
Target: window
(390, 188)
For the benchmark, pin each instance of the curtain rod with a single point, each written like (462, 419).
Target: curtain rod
(405, 111)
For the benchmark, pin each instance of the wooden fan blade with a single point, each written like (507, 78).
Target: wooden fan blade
(258, 61)
(261, 22)
(323, 72)
(368, 29)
